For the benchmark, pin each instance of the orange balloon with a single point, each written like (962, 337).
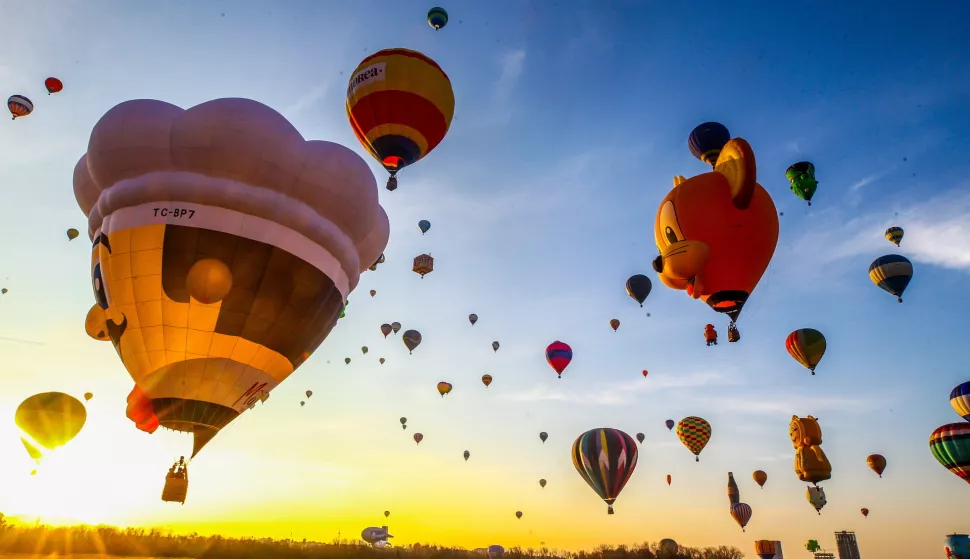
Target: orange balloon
(717, 232)
(877, 462)
(668, 479)
(760, 477)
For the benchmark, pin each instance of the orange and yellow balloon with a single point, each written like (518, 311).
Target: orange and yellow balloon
(400, 104)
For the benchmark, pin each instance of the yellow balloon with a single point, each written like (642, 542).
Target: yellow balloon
(72, 234)
(49, 420)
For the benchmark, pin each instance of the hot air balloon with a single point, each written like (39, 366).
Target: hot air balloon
(710, 335)
(765, 549)
(467, 455)
(412, 339)
(670, 424)
(486, 379)
(668, 479)
(437, 18)
(518, 514)
(385, 329)
(877, 463)
(605, 458)
(891, 273)
(645, 373)
(473, 318)
(347, 360)
(717, 232)
(614, 324)
(404, 423)
(741, 513)
(816, 497)
(733, 493)
(495, 346)
(424, 225)
(558, 355)
(444, 388)
(380, 260)
(48, 421)
(865, 512)
(219, 202)
(801, 175)
(950, 445)
(812, 545)
(641, 437)
(638, 287)
(88, 396)
(669, 546)
(400, 105)
(387, 513)
(19, 106)
(418, 437)
(760, 477)
(4, 291)
(894, 235)
(811, 464)
(960, 400)
(957, 546)
(694, 432)
(807, 346)
(364, 350)
(706, 141)
(396, 327)
(542, 483)
(309, 393)
(373, 292)
(53, 85)
(302, 404)
(543, 436)
(381, 360)
(423, 265)
(72, 234)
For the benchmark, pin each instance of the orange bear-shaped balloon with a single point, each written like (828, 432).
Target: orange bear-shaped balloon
(811, 464)
(717, 232)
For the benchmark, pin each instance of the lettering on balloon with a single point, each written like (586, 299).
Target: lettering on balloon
(178, 213)
(368, 75)
(251, 396)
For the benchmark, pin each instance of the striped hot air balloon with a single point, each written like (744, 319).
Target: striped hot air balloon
(19, 106)
(558, 355)
(950, 444)
(400, 104)
(960, 400)
(605, 458)
(741, 513)
(807, 346)
(894, 235)
(437, 18)
(765, 549)
(891, 273)
(695, 433)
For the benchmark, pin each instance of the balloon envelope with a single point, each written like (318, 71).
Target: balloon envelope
(49, 420)
(706, 140)
(694, 432)
(639, 287)
(960, 400)
(950, 445)
(411, 339)
(559, 355)
(605, 458)
(807, 346)
(891, 273)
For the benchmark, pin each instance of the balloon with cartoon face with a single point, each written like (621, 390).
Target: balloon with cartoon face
(801, 175)
(224, 248)
(717, 232)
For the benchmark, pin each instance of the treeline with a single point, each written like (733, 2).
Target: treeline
(134, 542)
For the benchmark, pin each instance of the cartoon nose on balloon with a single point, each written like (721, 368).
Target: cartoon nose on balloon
(658, 264)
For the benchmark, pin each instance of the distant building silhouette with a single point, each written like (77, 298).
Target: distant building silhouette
(848, 547)
(824, 555)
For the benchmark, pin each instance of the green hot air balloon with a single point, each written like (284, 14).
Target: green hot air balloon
(437, 18)
(801, 175)
(950, 445)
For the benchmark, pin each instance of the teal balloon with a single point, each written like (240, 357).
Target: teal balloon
(950, 445)
(437, 18)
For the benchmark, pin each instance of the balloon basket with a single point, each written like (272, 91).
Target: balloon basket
(175, 490)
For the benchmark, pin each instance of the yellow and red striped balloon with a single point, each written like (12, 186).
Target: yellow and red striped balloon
(807, 346)
(400, 104)
(694, 432)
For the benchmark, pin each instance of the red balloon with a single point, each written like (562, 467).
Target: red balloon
(558, 355)
(53, 85)
(645, 372)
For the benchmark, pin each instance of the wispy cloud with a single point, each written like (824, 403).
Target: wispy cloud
(307, 100)
(793, 146)
(619, 393)
(864, 181)
(937, 233)
(766, 404)
(513, 62)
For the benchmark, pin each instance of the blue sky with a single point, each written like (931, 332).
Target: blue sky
(571, 120)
